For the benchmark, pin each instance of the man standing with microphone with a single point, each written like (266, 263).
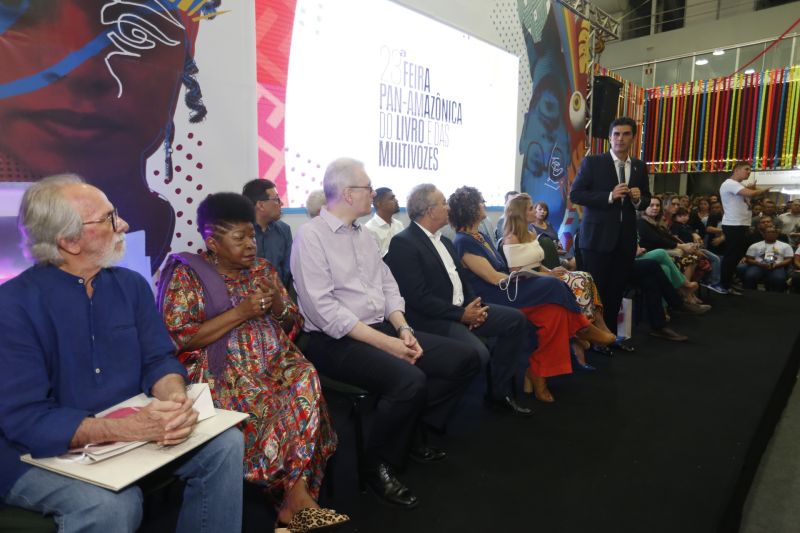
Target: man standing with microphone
(611, 187)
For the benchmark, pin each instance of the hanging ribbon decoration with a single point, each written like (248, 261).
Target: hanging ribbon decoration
(706, 126)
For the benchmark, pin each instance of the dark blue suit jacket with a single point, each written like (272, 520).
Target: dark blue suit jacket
(604, 224)
(422, 276)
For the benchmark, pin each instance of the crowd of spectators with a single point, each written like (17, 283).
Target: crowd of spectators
(404, 312)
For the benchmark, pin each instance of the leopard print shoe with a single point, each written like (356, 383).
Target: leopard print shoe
(313, 520)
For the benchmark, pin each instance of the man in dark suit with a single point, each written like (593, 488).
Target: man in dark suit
(425, 266)
(611, 187)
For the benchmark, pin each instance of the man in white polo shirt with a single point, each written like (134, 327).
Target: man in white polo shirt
(736, 220)
(383, 226)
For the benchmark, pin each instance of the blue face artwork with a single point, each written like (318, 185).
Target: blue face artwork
(544, 143)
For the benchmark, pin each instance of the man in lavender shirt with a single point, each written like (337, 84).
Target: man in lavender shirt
(355, 315)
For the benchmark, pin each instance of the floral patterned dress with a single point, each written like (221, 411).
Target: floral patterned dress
(529, 255)
(289, 435)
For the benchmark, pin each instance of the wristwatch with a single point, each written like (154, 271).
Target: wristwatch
(405, 327)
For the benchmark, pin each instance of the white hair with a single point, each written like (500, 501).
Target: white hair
(419, 200)
(315, 201)
(338, 176)
(45, 216)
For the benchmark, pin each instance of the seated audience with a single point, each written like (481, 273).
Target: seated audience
(653, 234)
(106, 345)
(698, 217)
(273, 236)
(359, 334)
(668, 208)
(768, 261)
(314, 202)
(758, 233)
(537, 220)
(523, 252)
(233, 323)
(440, 301)
(684, 286)
(768, 209)
(715, 237)
(545, 300)
(383, 225)
(683, 231)
(790, 222)
(498, 232)
(757, 209)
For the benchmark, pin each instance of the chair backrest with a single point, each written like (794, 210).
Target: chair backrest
(551, 259)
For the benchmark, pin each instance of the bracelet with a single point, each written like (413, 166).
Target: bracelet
(405, 327)
(283, 314)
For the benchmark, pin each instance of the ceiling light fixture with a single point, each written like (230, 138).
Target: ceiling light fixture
(718, 52)
(750, 71)
(701, 62)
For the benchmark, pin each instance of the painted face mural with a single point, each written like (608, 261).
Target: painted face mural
(91, 87)
(552, 135)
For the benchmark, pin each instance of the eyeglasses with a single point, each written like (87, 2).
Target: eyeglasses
(276, 199)
(367, 187)
(112, 216)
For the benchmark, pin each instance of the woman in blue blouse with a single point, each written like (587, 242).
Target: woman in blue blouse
(546, 301)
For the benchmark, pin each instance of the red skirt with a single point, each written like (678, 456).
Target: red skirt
(556, 326)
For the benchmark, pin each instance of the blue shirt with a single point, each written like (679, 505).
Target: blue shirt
(65, 356)
(275, 245)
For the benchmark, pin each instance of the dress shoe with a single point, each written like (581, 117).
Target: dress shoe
(603, 350)
(669, 334)
(507, 404)
(621, 345)
(384, 483)
(693, 309)
(426, 454)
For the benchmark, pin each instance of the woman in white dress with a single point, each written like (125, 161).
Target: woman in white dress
(523, 252)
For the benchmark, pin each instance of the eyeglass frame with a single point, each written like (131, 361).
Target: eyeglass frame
(367, 187)
(277, 200)
(113, 216)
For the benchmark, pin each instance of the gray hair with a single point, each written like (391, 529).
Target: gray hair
(338, 176)
(419, 200)
(314, 203)
(45, 216)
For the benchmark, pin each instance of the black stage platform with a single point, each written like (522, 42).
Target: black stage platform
(663, 439)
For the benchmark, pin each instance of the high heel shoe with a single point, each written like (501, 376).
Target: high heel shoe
(538, 386)
(583, 366)
(577, 345)
(595, 335)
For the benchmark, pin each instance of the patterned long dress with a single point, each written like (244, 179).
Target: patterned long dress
(289, 435)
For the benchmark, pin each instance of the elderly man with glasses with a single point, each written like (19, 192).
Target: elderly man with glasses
(273, 236)
(358, 333)
(78, 336)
